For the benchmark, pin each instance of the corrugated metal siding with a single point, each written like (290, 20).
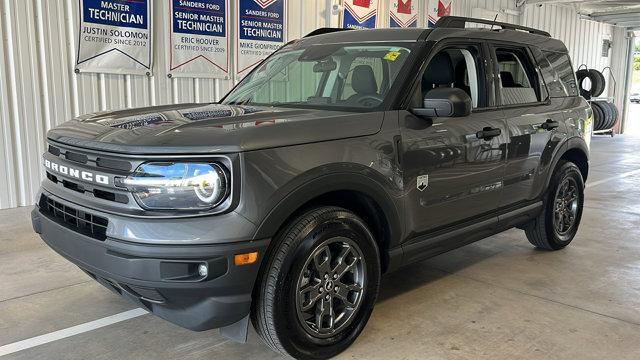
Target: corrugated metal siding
(38, 88)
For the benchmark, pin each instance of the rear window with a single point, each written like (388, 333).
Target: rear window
(518, 78)
(562, 65)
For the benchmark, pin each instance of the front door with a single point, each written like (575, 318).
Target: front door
(453, 167)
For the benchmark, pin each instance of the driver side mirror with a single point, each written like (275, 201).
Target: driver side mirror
(445, 102)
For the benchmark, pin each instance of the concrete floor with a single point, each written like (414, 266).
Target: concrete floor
(498, 298)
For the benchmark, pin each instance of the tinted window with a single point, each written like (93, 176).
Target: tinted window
(519, 82)
(457, 67)
(564, 70)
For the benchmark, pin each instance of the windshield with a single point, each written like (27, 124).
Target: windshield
(327, 76)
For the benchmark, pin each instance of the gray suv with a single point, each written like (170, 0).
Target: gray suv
(343, 156)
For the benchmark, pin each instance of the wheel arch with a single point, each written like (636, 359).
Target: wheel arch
(576, 151)
(356, 192)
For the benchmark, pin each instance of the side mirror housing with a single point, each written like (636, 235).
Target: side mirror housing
(445, 102)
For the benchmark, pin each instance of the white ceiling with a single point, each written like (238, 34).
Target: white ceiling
(624, 13)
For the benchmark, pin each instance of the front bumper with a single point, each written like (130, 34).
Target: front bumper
(163, 278)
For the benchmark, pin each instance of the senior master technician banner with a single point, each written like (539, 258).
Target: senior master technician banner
(360, 14)
(115, 37)
(261, 26)
(199, 39)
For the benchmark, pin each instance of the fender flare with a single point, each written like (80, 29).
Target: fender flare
(570, 144)
(362, 182)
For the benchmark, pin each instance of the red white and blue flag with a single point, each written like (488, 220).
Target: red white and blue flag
(360, 14)
(437, 9)
(403, 13)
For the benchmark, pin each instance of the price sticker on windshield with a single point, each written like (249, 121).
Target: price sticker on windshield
(391, 55)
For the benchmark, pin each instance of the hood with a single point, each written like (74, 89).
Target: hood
(210, 128)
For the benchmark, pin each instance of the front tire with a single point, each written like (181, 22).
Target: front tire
(318, 286)
(557, 224)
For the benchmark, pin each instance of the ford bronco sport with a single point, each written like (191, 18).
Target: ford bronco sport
(344, 155)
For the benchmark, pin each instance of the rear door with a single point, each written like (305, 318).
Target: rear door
(535, 123)
(450, 175)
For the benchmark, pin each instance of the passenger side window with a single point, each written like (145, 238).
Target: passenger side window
(519, 83)
(455, 67)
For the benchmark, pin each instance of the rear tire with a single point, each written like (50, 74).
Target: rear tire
(318, 285)
(557, 224)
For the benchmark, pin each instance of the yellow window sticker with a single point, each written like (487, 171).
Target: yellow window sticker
(391, 55)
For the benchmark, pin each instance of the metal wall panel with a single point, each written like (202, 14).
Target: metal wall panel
(39, 90)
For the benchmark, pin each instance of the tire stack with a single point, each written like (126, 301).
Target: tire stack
(597, 83)
(605, 115)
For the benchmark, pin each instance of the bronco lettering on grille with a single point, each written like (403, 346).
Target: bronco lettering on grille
(76, 173)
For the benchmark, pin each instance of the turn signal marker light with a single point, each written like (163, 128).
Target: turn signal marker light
(246, 259)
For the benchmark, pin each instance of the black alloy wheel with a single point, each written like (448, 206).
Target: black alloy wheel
(330, 287)
(565, 206)
(317, 285)
(557, 224)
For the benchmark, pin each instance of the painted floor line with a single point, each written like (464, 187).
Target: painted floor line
(71, 331)
(619, 176)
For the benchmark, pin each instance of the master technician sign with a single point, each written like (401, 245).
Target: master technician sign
(261, 31)
(115, 37)
(199, 39)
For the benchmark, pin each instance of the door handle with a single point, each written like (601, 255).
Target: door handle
(549, 124)
(488, 133)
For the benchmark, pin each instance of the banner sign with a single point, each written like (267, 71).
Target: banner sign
(261, 26)
(115, 37)
(360, 14)
(436, 10)
(199, 41)
(403, 13)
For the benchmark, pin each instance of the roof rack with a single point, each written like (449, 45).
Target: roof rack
(459, 22)
(325, 30)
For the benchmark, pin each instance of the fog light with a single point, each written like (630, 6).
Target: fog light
(203, 270)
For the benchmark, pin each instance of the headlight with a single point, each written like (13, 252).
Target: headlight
(178, 186)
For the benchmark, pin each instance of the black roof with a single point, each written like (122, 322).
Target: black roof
(501, 32)
(367, 35)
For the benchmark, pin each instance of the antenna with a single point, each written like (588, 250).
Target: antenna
(494, 20)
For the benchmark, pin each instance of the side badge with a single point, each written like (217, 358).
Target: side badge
(423, 182)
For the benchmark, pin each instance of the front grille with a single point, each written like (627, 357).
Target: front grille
(94, 162)
(80, 188)
(79, 221)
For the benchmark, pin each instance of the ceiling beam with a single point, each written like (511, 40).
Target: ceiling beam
(618, 17)
(627, 24)
(633, 9)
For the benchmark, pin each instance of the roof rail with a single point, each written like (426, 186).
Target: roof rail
(325, 30)
(459, 22)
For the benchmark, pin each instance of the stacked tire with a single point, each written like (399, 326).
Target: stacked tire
(605, 115)
(596, 79)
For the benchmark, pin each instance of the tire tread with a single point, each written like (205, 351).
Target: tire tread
(263, 313)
